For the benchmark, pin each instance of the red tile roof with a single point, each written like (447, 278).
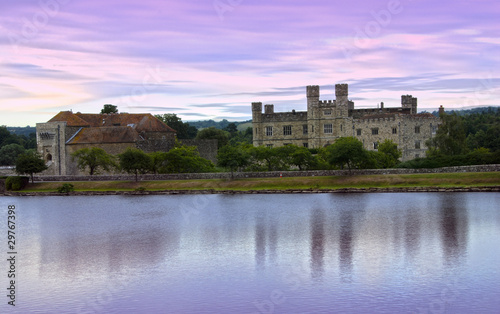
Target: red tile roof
(141, 122)
(70, 118)
(117, 134)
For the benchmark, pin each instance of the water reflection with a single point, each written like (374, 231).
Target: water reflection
(412, 233)
(260, 242)
(375, 253)
(454, 224)
(317, 242)
(73, 246)
(346, 244)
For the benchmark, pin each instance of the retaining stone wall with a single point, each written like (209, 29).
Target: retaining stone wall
(269, 174)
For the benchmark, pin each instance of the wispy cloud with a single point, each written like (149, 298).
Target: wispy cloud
(82, 54)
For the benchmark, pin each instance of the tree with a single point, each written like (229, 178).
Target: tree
(213, 133)
(108, 108)
(30, 162)
(135, 161)
(232, 157)
(94, 159)
(185, 159)
(450, 137)
(347, 151)
(231, 128)
(184, 130)
(303, 158)
(9, 154)
(266, 155)
(157, 161)
(390, 153)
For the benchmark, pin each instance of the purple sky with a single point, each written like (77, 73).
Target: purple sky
(211, 59)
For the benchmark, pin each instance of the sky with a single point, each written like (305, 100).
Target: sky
(210, 59)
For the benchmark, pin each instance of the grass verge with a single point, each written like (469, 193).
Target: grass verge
(469, 179)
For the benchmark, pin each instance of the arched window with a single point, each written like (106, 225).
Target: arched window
(49, 157)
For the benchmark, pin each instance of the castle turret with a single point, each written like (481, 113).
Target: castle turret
(313, 115)
(342, 102)
(407, 101)
(257, 122)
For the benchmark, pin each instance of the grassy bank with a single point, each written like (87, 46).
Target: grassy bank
(332, 182)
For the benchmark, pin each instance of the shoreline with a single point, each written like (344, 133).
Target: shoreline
(429, 189)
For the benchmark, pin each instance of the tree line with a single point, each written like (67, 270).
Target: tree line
(12, 145)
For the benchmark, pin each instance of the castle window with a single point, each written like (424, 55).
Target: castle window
(287, 130)
(341, 128)
(417, 129)
(417, 144)
(269, 131)
(49, 157)
(269, 145)
(358, 132)
(304, 129)
(394, 130)
(375, 131)
(327, 112)
(375, 145)
(328, 128)
(306, 145)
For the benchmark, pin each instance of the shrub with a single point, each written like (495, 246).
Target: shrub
(66, 188)
(16, 183)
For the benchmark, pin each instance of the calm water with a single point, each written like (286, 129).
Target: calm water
(327, 253)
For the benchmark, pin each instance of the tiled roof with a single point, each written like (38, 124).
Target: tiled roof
(141, 122)
(70, 118)
(117, 134)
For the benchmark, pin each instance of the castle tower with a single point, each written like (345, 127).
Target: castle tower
(342, 102)
(313, 115)
(409, 102)
(51, 139)
(257, 123)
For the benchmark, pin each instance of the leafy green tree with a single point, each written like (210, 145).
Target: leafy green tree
(108, 108)
(185, 159)
(242, 137)
(233, 158)
(30, 162)
(184, 130)
(266, 156)
(231, 128)
(347, 151)
(450, 137)
(390, 153)
(303, 158)
(94, 159)
(221, 136)
(135, 161)
(157, 161)
(9, 154)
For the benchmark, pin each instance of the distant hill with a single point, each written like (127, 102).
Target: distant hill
(465, 112)
(26, 131)
(242, 125)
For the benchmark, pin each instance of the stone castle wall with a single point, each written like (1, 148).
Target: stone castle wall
(206, 148)
(328, 120)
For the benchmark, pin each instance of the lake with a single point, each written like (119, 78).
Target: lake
(311, 253)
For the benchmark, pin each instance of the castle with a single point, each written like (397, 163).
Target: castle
(68, 132)
(325, 121)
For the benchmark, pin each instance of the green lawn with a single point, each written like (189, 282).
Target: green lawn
(331, 182)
